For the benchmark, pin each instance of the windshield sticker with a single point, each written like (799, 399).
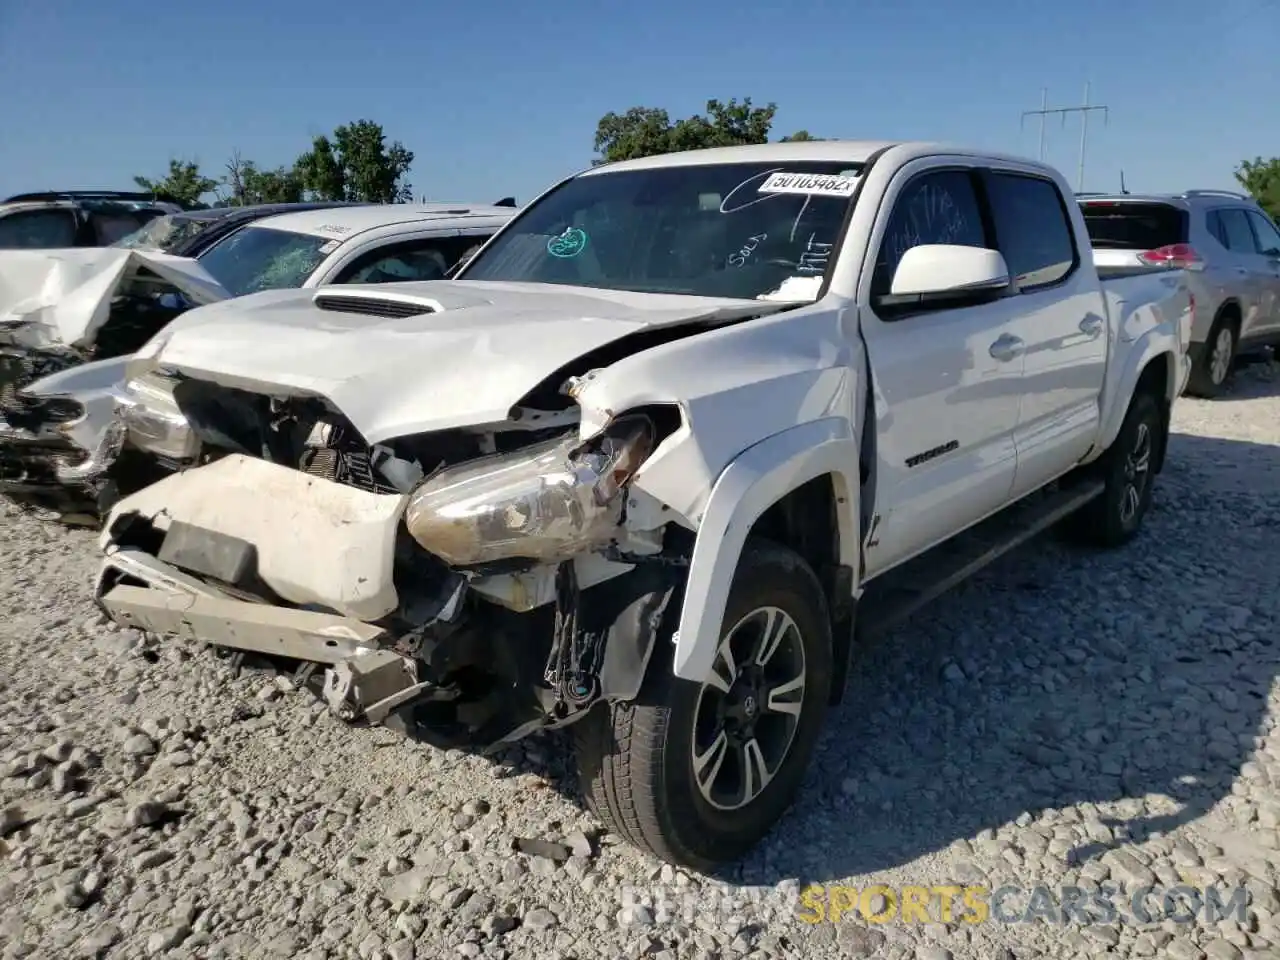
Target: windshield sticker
(817, 185)
(568, 244)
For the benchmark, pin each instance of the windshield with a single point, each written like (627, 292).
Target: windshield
(162, 234)
(260, 258)
(740, 230)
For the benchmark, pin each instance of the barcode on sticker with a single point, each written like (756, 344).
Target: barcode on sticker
(812, 184)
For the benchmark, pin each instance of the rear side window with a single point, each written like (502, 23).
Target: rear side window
(1132, 225)
(38, 230)
(1268, 235)
(116, 225)
(1032, 228)
(1231, 229)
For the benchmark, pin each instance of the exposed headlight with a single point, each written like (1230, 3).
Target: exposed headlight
(152, 419)
(546, 502)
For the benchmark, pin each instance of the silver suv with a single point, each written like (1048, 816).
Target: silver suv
(1231, 252)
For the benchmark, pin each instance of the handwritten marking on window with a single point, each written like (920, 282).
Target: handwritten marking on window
(930, 216)
(740, 258)
(815, 256)
(724, 204)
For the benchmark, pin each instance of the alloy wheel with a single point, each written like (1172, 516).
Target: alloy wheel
(1220, 358)
(748, 711)
(1137, 472)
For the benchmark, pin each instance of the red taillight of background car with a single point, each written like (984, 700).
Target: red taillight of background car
(1180, 256)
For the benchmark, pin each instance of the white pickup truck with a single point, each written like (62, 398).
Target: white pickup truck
(655, 460)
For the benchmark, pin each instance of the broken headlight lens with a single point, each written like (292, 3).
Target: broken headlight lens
(152, 419)
(547, 502)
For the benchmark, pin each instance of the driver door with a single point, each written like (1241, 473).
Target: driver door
(947, 377)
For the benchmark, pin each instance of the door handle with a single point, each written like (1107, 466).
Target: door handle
(1006, 347)
(1091, 325)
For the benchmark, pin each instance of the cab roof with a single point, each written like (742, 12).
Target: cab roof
(805, 151)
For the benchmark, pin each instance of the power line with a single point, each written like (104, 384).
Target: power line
(1084, 110)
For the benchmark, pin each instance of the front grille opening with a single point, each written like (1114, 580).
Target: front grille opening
(371, 307)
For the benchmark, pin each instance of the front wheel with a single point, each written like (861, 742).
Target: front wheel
(698, 773)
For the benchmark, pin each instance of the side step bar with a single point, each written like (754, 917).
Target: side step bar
(898, 594)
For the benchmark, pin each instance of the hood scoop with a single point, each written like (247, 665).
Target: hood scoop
(391, 308)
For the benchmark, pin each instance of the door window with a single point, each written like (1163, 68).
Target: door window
(1032, 229)
(1236, 234)
(413, 260)
(38, 229)
(108, 227)
(1267, 234)
(937, 207)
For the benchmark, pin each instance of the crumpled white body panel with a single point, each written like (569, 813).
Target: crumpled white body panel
(482, 347)
(318, 543)
(68, 292)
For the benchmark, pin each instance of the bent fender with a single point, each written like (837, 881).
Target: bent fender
(758, 478)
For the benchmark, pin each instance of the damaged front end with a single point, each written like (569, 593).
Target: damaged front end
(53, 450)
(467, 586)
(59, 434)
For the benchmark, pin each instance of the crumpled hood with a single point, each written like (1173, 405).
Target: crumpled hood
(481, 347)
(66, 294)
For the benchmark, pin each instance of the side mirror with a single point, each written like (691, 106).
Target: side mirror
(939, 269)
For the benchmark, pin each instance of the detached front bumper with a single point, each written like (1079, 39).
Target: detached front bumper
(263, 559)
(364, 679)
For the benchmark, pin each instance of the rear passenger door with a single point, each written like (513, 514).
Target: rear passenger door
(946, 389)
(1268, 243)
(1058, 308)
(1246, 272)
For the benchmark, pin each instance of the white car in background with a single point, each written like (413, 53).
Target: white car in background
(70, 319)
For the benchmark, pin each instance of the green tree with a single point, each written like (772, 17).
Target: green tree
(184, 184)
(798, 136)
(648, 131)
(1262, 179)
(356, 163)
(247, 185)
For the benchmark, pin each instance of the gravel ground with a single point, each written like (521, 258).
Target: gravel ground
(1067, 718)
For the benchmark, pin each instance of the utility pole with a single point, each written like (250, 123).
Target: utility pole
(1084, 110)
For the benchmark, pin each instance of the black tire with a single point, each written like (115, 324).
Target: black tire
(1210, 376)
(1115, 516)
(636, 760)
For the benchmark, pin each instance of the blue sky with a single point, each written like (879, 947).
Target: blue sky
(503, 98)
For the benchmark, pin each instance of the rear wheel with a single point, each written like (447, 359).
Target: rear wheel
(1128, 469)
(698, 773)
(1212, 372)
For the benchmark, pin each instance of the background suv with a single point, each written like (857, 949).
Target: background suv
(41, 221)
(1231, 252)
